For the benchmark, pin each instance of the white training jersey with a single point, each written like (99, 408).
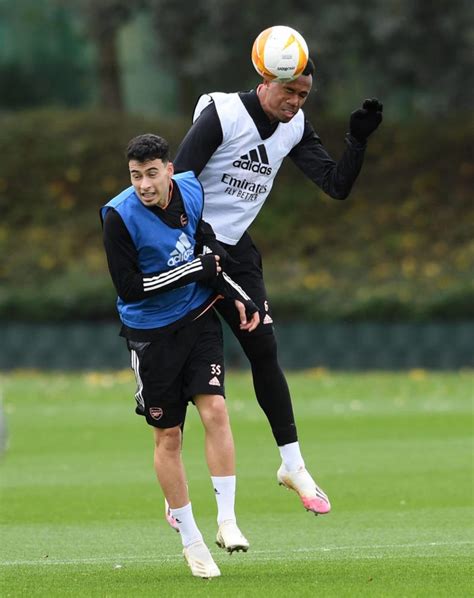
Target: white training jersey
(239, 176)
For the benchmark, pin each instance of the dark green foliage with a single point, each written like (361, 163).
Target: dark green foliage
(45, 57)
(416, 56)
(399, 248)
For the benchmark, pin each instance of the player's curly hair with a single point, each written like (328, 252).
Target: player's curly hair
(148, 147)
(309, 68)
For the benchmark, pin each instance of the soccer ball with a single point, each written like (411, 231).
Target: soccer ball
(280, 53)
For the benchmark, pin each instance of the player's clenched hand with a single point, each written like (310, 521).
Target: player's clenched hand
(211, 264)
(365, 120)
(251, 321)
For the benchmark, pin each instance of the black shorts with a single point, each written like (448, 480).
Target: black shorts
(248, 273)
(176, 367)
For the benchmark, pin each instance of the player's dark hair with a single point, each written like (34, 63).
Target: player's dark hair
(148, 147)
(309, 68)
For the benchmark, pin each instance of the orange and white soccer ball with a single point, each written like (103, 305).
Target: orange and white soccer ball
(280, 53)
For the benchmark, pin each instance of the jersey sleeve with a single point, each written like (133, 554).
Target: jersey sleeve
(130, 282)
(225, 286)
(200, 142)
(334, 178)
(206, 242)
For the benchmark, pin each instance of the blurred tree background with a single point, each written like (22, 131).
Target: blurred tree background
(79, 78)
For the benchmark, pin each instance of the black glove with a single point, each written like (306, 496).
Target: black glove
(229, 289)
(209, 266)
(250, 307)
(365, 120)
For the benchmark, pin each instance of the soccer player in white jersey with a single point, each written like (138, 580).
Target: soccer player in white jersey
(235, 147)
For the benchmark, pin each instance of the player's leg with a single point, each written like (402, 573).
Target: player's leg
(219, 443)
(271, 388)
(205, 382)
(171, 477)
(158, 366)
(269, 378)
(220, 456)
(169, 466)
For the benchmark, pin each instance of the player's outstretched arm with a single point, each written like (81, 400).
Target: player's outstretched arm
(365, 120)
(337, 178)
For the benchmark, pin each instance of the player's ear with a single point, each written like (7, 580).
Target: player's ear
(170, 168)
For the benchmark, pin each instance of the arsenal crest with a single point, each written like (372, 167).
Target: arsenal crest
(156, 412)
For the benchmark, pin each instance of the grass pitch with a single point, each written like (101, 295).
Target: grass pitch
(82, 515)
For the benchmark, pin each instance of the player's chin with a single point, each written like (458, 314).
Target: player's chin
(148, 200)
(286, 116)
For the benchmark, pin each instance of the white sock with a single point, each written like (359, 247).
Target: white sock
(291, 456)
(224, 489)
(188, 529)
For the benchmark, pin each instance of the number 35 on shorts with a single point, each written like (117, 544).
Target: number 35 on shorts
(216, 369)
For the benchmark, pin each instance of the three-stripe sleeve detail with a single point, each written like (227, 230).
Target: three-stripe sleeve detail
(235, 286)
(136, 368)
(172, 276)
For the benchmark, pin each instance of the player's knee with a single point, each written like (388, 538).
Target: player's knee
(213, 412)
(260, 349)
(168, 439)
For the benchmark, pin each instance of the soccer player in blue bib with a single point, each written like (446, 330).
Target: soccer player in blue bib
(167, 286)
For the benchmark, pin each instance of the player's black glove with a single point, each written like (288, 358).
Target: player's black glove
(228, 288)
(209, 266)
(365, 120)
(250, 307)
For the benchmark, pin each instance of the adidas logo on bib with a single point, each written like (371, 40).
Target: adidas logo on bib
(184, 250)
(256, 161)
(214, 381)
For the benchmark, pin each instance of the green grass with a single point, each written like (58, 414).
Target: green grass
(81, 512)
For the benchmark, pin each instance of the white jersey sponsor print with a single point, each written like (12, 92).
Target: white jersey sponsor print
(239, 175)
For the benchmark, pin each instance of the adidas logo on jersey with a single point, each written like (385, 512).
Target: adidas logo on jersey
(255, 161)
(184, 250)
(214, 381)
